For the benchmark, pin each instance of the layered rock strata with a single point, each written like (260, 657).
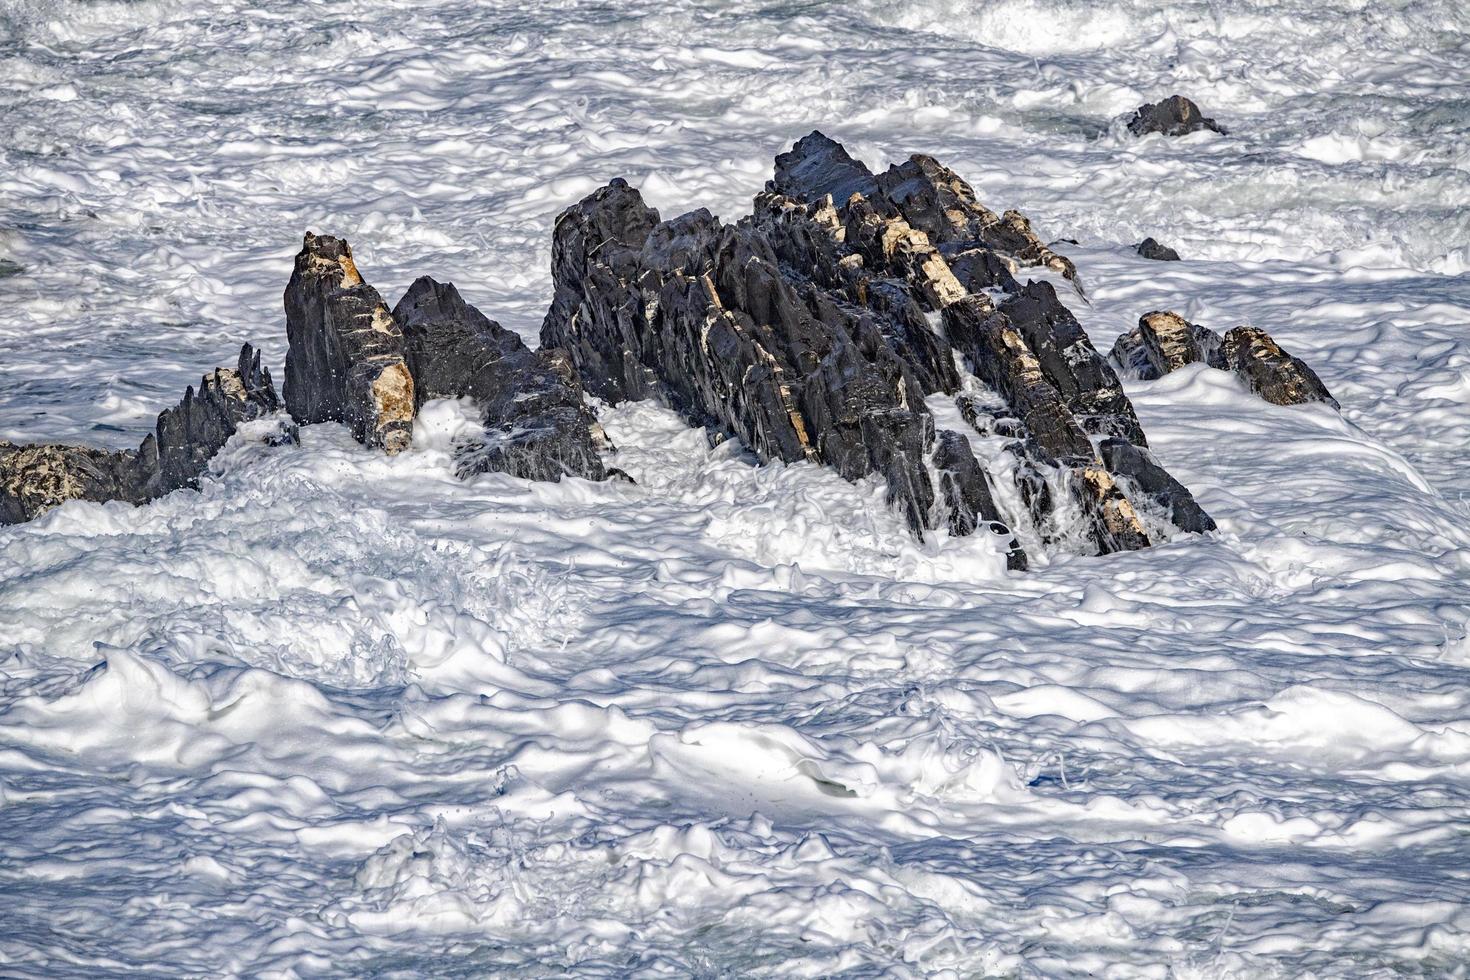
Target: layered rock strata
(1164, 341)
(346, 361)
(36, 478)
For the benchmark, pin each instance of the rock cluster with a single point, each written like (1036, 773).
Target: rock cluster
(1164, 342)
(35, 478)
(816, 328)
(1174, 116)
(834, 325)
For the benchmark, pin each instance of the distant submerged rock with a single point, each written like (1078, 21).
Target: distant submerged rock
(1151, 249)
(1174, 116)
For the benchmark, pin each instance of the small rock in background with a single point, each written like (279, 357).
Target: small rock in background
(1151, 249)
(1270, 371)
(1164, 342)
(1174, 116)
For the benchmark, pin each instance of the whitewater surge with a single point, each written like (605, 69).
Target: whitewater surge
(340, 713)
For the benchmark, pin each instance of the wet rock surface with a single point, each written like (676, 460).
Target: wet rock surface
(35, 478)
(1269, 371)
(814, 328)
(1151, 249)
(345, 362)
(700, 316)
(1164, 341)
(967, 492)
(1123, 459)
(537, 425)
(1174, 116)
(1088, 385)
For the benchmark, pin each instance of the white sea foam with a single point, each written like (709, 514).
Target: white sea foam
(343, 714)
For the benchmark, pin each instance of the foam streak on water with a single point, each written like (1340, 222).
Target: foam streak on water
(340, 714)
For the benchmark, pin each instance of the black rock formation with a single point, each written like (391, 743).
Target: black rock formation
(536, 423)
(345, 362)
(35, 478)
(1174, 116)
(1123, 459)
(1270, 371)
(703, 317)
(1150, 249)
(928, 196)
(1164, 342)
(814, 328)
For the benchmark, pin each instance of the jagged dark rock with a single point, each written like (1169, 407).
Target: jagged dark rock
(1174, 116)
(702, 316)
(188, 435)
(979, 269)
(35, 478)
(1151, 249)
(1000, 356)
(929, 197)
(345, 362)
(536, 423)
(819, 166)
(1123, 459)
(1071, 364)
(1162, 342)
(937, 201)
(1268, 370)
(899, 271)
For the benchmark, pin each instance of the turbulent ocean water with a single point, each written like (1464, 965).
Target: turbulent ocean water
(341, 714)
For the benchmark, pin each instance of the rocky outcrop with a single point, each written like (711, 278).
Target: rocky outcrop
(1174, 116)
(345, 362)
(1151, 249)
(1125, 460)
(814, 329)
(1164, 342)
(1268, 370)
(537, 425)
(929, 197)
(702, 316)
(35, 478)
